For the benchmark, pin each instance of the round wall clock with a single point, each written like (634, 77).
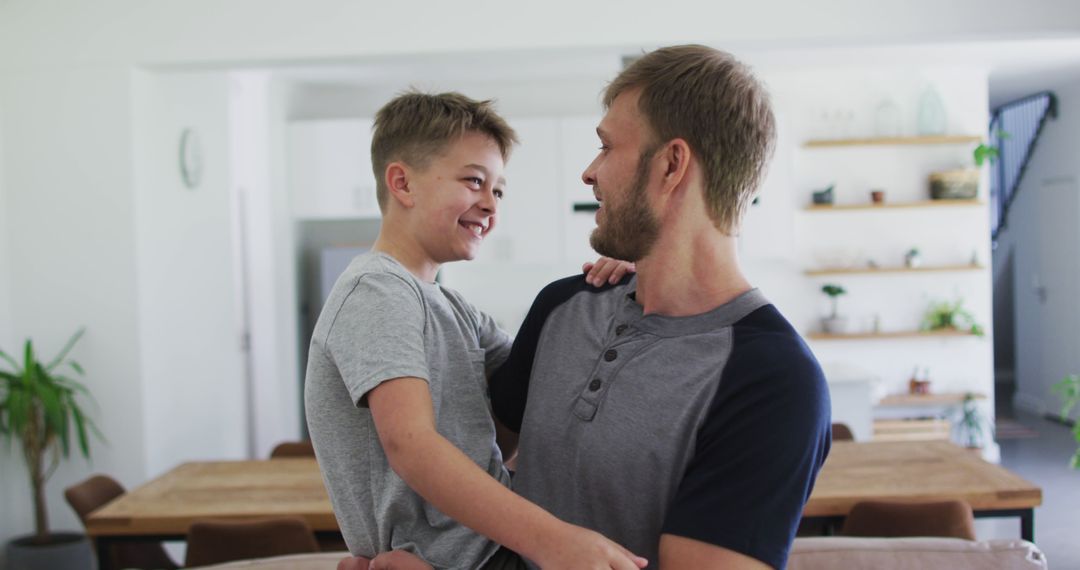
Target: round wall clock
(190, 158)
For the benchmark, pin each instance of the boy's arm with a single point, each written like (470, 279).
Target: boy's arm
(449, 480)
(681, 552)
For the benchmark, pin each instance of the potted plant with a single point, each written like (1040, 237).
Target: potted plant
(971, 423)
(1069, 390)
(834, 323)
(963, 183)
(950, 315)
(39, 409)
(987, 152)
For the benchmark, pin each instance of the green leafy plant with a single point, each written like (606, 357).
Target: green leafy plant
(950, 315)
(971, 423)
(39, 409)
(834, 292)
(988, 152)
(1069, 391)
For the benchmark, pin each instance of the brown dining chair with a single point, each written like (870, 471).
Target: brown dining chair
(841, 432)
(216, 542)
(94, 493)
(949, 519)
(293, 449)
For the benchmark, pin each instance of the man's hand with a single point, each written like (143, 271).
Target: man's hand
(606, 270)
(393, 560)
(578, 548)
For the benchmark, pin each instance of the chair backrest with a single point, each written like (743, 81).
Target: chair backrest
(948, 519)
(293, 449)
(841, 432)
(94, 493)
(215, 542)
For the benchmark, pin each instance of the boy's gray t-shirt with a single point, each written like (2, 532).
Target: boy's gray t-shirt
(379, 323)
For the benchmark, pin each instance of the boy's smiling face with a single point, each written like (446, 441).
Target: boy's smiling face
(457, 197)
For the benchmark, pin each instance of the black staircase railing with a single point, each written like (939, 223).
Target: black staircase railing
(1014, 130)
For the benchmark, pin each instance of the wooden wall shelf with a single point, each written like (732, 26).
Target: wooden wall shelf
(890, 270)
(905, 400)
(893, 141)
(894, 206)
(884, 335)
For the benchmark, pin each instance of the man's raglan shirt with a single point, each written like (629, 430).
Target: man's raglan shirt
(711, 427)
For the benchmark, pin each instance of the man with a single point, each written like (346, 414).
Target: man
(677, 413)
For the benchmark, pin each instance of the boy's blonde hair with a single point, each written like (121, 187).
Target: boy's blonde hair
(712, 101)
(416, 127)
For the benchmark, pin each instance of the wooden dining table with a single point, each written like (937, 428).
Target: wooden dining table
(165, 507)
(912, 471)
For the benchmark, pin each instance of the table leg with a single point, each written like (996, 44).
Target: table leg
(102, 545)
(1027, 525)
(1027, 520)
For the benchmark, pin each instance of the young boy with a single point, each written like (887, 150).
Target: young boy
(396, 381)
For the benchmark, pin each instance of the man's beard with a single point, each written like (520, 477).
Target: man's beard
(629, 230)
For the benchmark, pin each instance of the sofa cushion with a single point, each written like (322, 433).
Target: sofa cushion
(830, 552)
(319, 561)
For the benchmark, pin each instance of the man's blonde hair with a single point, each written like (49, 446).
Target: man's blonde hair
(416, 127)
(712, 101)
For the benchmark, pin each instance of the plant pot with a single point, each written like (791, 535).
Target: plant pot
(834, 325)
(64, 551)
(954, 185)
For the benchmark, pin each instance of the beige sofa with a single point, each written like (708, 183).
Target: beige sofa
(824, 553)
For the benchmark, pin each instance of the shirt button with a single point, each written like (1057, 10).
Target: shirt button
(620, 329)
(611, 355)
(595, 385)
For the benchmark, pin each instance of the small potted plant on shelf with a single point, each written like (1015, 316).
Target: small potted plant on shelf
(950, 316)
(39, 409)
(1069, 391)
(834, 323)
(963, 183)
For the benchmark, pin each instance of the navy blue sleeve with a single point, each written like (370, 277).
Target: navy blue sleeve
(509, 385)
(760, 448)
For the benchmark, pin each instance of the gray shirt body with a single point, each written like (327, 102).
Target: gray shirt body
(379, 323)
(710, 427)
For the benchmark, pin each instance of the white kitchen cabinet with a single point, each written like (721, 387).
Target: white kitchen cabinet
(329, 170)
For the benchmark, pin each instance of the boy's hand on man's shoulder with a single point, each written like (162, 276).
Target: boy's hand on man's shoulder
(606, 270)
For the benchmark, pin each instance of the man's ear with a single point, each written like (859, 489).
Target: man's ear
(675, 164)
(397, 176)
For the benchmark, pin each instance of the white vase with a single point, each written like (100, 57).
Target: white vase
(835, 325)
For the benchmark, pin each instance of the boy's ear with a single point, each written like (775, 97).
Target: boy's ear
(397, 182)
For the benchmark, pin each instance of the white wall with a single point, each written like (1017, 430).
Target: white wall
(1046, 251)
(257, 116)
(194, 385)
(13, 479)
(243, 30)
(68, 200)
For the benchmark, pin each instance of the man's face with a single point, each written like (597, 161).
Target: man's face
(457, 196)
(626, 227)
